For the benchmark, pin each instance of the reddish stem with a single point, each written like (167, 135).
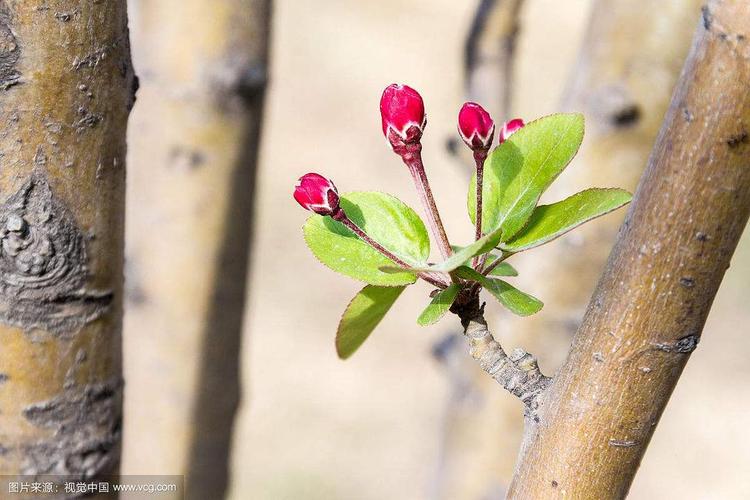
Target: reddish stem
(480, 155)
(428, 277)
(411, 153)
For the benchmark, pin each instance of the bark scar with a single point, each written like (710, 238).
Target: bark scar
(684, 345)
(10, 51)
(86, 425)
(43, 264)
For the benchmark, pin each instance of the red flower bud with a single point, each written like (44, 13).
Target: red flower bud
(475, 126)
(509, 128)
(316, 193)
(402, 113)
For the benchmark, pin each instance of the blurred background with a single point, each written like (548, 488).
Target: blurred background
(395, 421)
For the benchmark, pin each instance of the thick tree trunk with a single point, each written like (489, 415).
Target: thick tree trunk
(648, 312)
(66, 88)
(193, 155)
(622, 82)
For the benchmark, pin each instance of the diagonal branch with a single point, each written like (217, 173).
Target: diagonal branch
(518, 372)
(649, 309)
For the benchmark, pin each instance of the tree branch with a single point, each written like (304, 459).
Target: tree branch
(518, 373)
(622, 81)
(647, 314)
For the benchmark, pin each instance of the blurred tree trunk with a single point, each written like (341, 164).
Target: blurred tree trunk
(651, 303)
(489, 60)
(66, 89)
(193, 150)
(489, 55)
(622, 82)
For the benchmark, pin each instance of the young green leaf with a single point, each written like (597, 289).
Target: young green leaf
(514, 300)
(482, 245)
(362, 315)
(439, 305)
(548, 222)
(386, 220)
(502, 269)
(518, 171)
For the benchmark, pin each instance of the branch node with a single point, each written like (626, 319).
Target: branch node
(518, 373)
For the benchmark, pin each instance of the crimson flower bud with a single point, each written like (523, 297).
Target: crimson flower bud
(475, 126)
(510, 128)
(402, 114)
(317, 194)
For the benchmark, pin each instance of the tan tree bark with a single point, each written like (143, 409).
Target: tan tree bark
(652, 301)
(66, 88)
(622, 82)
(193, 154)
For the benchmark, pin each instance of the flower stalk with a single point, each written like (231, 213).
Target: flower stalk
(432, 278)
(480, 155)
(318, 194)
(477, 129)
(403, 121)
(411, 154)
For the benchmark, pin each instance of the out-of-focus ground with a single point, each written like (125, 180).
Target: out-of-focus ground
(314, 427)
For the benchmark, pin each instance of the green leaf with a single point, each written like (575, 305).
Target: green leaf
(516, 301)
(502, 269)
(362, 315)
(482, 245)
(548, 222)
(518, 171)
(439, 305)
(386, 220)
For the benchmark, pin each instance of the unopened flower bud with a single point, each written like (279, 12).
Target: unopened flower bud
(510, 128)
(402, 114)
(318, 194)
(475, 126)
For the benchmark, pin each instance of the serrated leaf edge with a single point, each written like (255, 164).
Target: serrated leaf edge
(522, 249)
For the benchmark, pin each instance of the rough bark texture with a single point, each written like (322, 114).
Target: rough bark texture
(622, 82)
(518, 373)
(66, 88)
(648, 312)
(628, 65)
(193, 155)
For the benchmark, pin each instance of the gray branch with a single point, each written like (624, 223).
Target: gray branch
(518, 373)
